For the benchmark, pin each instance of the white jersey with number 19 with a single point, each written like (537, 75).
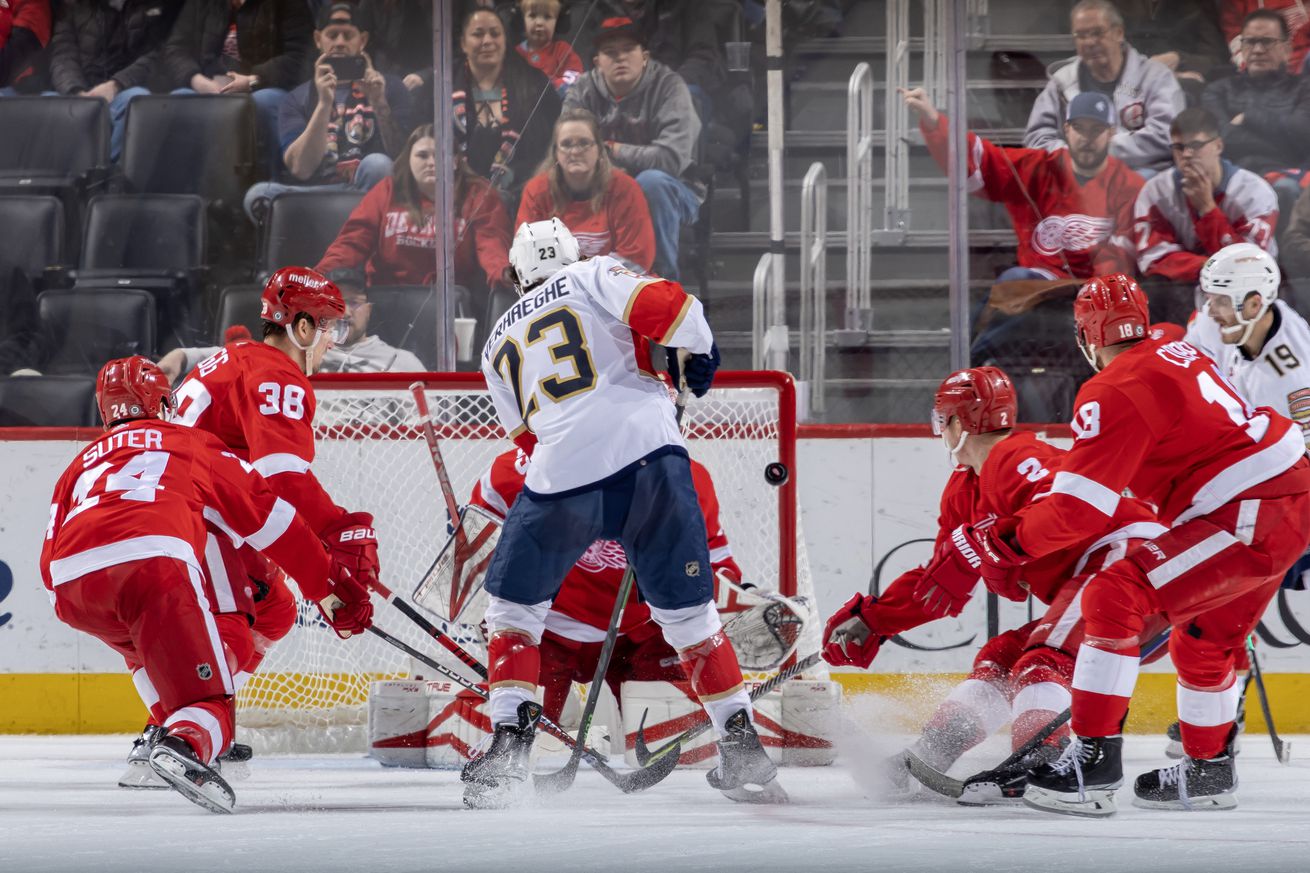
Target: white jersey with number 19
(570, 363)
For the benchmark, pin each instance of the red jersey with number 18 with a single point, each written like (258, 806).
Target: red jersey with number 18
(1161, 421)
(255, 399)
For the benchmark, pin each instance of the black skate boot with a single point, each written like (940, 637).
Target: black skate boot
(1006, 785)
(1174, 749)
(1191, 783)
(495, 779)
(235, 762)
(139, 775)
(744, 772)
(1082, 781)
(175, 762)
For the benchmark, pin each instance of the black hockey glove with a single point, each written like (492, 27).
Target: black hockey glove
(700, 370)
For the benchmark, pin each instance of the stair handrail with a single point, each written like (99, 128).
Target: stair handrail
(814, 284)
(859, 192)
(765, 338)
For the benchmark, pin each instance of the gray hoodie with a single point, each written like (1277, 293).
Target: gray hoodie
(1146, 100)
(654, 128)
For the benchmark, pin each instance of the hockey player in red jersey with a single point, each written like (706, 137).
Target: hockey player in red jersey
(1021, 676)
(1231, 482)
(123, 559)
(579, 614)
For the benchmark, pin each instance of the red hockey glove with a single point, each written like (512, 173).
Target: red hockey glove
(993, 540)
(848, 641)
(353, 548)
(348, 608)
(948, 581)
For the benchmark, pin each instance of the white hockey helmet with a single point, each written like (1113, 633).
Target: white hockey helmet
(540, 250)
(1236, 272)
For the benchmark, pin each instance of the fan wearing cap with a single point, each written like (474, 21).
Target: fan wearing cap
(1023, 675)
(1232, 484)
(124, 561)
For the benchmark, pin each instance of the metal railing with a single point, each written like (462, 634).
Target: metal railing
(769, 340)
(814, 284)
(859, 199)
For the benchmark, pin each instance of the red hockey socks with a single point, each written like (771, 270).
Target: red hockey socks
(711, 667)
(207, 727)
(514, 668)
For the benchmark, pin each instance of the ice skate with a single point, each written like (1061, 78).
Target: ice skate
(176, 763)
(1006, 786)
(139, 775)
(1082, 781)
(744, 772)
(1191, 783)
(235, 762)
(1174, 748)
(497, 778)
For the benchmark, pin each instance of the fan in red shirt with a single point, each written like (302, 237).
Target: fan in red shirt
(580, 613)
(123, 560)
(1233, 485)
(1023, 675)
(390, 233)
(601, 205)
(554, 57)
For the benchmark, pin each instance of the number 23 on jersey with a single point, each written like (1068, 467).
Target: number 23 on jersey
(556, 345)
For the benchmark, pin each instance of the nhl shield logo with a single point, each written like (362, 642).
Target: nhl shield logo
(204, 671)
(692, 568)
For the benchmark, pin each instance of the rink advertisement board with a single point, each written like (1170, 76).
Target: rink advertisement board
(868, 501)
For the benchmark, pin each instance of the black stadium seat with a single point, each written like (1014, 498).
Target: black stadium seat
(86, 328)
(238, 304)
(48, 401)
(406, 317)
(33, 236)
(302, 224)
(194, 144)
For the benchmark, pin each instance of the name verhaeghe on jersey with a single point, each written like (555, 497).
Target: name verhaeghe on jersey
(550, 292)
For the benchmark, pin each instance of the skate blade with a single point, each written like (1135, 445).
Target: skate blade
(1210, 803)
(770, 792)
(1096, 802)
(140, 777)
(987, 794)
(214, 795)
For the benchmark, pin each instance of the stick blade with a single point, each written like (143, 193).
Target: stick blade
(664, 763)
(932, 778)
(1284, 752)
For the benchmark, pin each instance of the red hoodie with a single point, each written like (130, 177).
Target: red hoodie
(622, 226)
(379, 233)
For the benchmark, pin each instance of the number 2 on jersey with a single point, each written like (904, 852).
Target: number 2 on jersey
(570, 351)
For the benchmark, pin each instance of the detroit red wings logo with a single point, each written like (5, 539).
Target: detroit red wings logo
(603, 555)
(1070, 233)
(1133, 116)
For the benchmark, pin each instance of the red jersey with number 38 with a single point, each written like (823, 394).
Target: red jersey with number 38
(255, 399)
(1161, 421)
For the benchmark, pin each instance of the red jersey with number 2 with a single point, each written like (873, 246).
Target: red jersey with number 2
(255, 399)
(1161, 421)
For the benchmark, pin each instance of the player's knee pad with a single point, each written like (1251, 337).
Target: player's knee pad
(689, 626)
(711, 667)
(513, 660)
(1043, 665)
(506, 615)
(275, 614)
(995, 661)
(1115, 605)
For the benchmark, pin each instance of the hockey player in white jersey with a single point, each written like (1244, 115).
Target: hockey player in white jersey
(569, 369)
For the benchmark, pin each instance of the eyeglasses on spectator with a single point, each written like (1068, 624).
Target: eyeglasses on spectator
(1193, 147)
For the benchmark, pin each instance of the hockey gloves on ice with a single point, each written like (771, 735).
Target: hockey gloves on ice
(847, 639)
(993, 541)
(700, 370)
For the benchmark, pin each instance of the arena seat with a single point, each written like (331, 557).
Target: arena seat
(301, 225)
(48, 401)
(85, 328)
(237, 304)
(34, 234)
(406, 317)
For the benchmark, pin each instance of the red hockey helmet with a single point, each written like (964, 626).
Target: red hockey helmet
(293, 290)
(1108, 311)
(982, 398)
(131, 388)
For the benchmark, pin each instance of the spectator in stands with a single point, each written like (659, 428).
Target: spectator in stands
(1072, 208)
(504, 104)
(650, 128)
(1232, 18)
(336, 133)
(1264, 111)
(1185, 215)
(1181, 34)
(255, 47)
(601, 205)
(109, 50)
(1145, 94)
(1295, 248)
(24, 32)
(400, 42)
(680, 34)
(553, 57)
(390, 233)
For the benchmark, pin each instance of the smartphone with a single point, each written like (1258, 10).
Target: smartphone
(348, 69)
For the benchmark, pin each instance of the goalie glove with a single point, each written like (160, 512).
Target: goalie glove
(765, 633)
(848, 641)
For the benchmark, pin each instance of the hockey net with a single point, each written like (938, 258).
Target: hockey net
(311, 693)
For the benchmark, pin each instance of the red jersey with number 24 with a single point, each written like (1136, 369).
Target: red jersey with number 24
(1159, 420)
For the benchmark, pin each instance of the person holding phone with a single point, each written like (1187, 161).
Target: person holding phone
(343, 127)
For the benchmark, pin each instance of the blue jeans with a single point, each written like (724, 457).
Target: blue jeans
(371, 170)
(672, 204)
(267, 103)
(117, 116)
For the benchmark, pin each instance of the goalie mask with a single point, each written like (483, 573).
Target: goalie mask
(540, 250)
(981, 398)
(1229, 278)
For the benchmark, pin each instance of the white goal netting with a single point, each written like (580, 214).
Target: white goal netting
(311, 692)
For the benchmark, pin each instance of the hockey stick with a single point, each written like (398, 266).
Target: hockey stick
(1282, 750)
(560, 780)
(628, 783)
(646, 756)
(937, 781)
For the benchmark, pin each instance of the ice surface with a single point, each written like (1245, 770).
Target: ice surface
(60, 811)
